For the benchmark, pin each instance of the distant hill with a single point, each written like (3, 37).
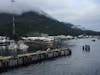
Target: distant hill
(30, 22)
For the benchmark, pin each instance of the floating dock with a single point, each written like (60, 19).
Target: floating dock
(10, 62)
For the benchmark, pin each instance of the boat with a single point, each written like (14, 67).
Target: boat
(4, 42)
(86, 48)
(93, 40)
(18, 45)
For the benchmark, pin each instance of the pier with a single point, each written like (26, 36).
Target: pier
(10, 62)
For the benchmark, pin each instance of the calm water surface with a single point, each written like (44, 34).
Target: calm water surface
(79, 63)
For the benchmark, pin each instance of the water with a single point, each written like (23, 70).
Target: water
(79, 63)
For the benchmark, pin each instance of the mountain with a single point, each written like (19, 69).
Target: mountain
(30, 22)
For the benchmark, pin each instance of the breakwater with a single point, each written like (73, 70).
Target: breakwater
(10, 62)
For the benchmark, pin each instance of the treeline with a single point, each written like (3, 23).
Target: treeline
(31, 22)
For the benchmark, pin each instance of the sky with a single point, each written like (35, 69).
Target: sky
(78, 12)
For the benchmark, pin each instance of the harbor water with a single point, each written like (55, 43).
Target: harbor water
(80, 62)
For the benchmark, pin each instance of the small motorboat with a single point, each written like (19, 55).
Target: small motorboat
(93, 40)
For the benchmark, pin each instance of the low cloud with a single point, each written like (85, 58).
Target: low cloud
(79, 12)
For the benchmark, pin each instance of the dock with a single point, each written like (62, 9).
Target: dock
(10, 62)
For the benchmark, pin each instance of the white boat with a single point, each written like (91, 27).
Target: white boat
(4, 42)
(12, 46)
(19, 45)
(22, 46)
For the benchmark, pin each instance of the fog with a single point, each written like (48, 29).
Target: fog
(79, 12)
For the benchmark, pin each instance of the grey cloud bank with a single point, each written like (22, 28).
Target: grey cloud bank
(79, 12)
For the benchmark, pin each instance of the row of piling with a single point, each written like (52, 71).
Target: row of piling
(7, 63)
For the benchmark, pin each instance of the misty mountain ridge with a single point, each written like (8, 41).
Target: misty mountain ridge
(32, 21)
